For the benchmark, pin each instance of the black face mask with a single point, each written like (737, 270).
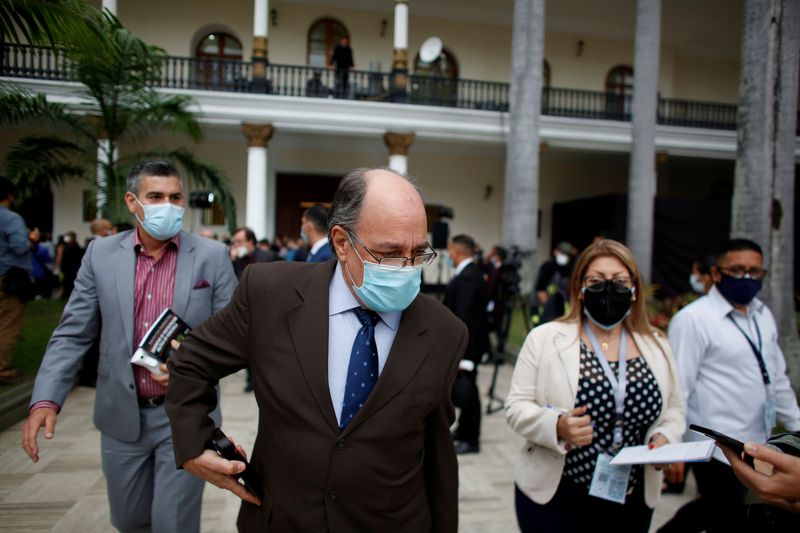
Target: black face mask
(607, 306)
(739, 291)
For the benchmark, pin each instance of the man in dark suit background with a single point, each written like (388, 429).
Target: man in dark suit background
(244, 251)
(466, 297)
(314, 230)
(353, 372)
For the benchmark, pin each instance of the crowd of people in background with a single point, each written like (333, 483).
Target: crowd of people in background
(593, 376)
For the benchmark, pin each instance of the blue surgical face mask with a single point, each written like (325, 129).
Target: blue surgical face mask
(161, 221)
(303, 235)
(387, 289)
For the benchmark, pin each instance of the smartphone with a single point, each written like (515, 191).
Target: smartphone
(735, 445)
(223, 446)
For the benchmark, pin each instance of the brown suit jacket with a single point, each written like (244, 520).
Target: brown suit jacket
(392, 469)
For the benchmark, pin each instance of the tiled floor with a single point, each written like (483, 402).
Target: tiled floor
(65, 491)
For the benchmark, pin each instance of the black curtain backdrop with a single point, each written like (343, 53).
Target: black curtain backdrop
(685, 229)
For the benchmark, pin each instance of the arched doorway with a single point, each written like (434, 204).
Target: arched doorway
(619, 92)
(215, 53)
(435, 82)
(323, 35)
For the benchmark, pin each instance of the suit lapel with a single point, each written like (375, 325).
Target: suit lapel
(308, 327)
(125, 278)
(184, 274)
(408, 351)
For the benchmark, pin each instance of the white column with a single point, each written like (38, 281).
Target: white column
(398, 145)
(399, 163)
(400, 25)
(261, 18)
(258, 136)
(103, 153)
(111, 5)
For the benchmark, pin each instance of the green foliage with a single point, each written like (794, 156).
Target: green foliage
(41, 318)
(45, 21)
(118, 72)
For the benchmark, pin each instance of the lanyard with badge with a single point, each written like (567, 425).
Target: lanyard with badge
(769, 408)
(610, 482)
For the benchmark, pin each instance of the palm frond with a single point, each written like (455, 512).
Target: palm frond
(37, 161)
(164, 113)
(20, 107)
(49, 22)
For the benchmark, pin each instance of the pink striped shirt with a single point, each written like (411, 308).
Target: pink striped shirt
(154, 285)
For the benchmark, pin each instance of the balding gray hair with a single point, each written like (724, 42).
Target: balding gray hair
(349, 197)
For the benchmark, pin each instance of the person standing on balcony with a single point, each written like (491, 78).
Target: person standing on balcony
(15, 272)
(342, 61)
(125, 282)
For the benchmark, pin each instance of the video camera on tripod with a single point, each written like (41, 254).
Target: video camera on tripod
(506, 297)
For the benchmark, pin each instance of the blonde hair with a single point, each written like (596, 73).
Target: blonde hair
(637, 321)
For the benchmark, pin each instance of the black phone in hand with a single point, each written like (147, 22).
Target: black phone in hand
(224, 447)
(735, 445)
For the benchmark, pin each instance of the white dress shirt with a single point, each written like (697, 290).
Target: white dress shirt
(343, 326)
(461, 266)
(720, 377)
(318, 246)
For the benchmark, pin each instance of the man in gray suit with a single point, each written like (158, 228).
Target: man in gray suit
(124, 283)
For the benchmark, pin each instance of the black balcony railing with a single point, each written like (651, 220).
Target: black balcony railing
(20, 61)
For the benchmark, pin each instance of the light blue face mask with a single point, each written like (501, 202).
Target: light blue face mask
(386, 289)
(161, 221)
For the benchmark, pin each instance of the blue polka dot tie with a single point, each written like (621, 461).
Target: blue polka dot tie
(362, 373)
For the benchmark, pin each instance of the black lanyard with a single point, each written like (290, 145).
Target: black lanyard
(756, 350)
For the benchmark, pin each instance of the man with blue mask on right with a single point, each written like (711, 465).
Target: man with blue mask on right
(352, 369)
(733, 377)
(124, 283)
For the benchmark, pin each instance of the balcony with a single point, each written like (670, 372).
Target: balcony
(38, 63)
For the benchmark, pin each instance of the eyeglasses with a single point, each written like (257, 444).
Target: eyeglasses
(620, 284)
(740, 272)
(421, 260)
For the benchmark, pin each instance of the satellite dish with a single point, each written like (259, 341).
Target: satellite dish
(430, 50)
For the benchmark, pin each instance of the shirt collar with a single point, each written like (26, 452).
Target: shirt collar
(137, 242)
(341, 300)
(723, 307)
(317, 245)
(462, 265)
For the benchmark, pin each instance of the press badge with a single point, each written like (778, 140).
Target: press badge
(609, 482)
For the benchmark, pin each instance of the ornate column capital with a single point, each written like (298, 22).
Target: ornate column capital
(258, 135)
(400, 59)
(398, 143)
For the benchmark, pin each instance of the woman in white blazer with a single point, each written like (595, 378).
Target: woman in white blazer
(585, 386)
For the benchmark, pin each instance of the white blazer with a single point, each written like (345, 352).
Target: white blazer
(547, 372)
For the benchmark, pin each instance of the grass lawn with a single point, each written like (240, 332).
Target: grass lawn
(41, 318)
(516, 337)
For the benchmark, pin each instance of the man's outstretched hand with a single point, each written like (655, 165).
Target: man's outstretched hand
(220, 472)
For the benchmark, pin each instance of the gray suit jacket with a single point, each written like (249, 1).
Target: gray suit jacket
(102, 304)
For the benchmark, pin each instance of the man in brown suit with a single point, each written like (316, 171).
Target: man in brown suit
(352, 369)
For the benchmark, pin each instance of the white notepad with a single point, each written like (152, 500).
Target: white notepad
(680, 452)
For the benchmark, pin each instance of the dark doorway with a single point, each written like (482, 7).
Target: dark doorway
(37, 211)
(297, 192)
(684, 229)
